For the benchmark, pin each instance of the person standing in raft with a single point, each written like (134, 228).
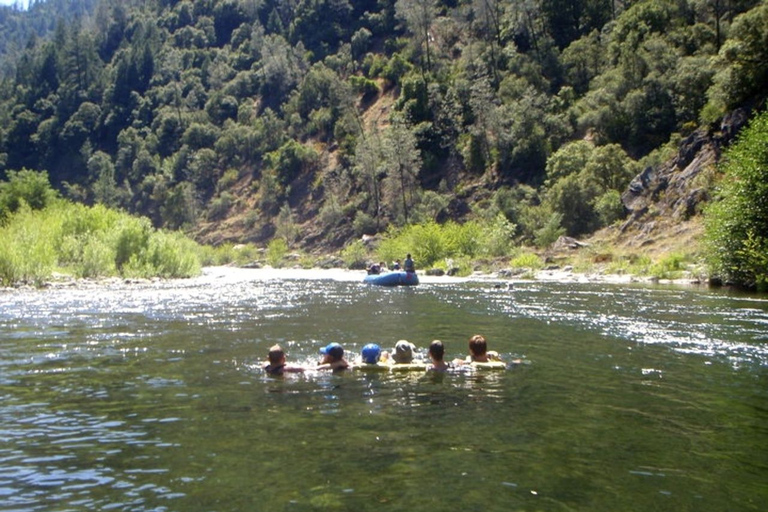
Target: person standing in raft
(276, 364)
(333, 358)
(436, 352)
(408, 265)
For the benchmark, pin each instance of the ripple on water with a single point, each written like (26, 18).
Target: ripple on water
(131, 397)
(57, 455)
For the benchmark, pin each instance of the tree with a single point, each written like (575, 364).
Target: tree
(402, 163)
(102, 173)
(583, 60)
(418, 16)
(743, 61)
(737, 222)
(488, 21)
(609, 167)
(368, 164)
(569, 159)
(25, 187)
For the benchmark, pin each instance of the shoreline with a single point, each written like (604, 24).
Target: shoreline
(235, 274)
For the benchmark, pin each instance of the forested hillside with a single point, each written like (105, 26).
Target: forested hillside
(319, 121)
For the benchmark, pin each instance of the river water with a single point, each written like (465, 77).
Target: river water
(138, 397)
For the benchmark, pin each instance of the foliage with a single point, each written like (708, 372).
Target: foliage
(550, 230)
(26, 254)
(430, 243)
(155, 107)
(89, 242)
(670, 266)
(737, 223)
(25, 187)
(585, 185)
(743, 61)
(354, 254)
(527, 260)
(276, 252)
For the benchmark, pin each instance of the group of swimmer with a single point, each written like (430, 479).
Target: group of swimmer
(333, 357)
(408, 266)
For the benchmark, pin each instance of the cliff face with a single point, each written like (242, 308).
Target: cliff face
(666, 200)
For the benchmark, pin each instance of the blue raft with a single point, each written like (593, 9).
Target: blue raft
(396, 278)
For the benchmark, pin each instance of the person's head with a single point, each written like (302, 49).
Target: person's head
(436, 350)
(477, 346)
(403, 351)
(408, 255)
(332, 352)
(276, 355)
(371, 353)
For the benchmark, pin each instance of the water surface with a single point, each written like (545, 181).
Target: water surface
(150, 397)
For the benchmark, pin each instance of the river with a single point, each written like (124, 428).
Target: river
(150, 397)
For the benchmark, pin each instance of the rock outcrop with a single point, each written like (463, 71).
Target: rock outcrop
(674, 190)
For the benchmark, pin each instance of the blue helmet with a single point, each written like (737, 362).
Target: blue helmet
(334, 350)
(371, 353)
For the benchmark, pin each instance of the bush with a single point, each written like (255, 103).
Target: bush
(27, 254)
(552, 229)
(430, 243)
(276, 251)
(498, 236)
(355, 254)
(365, 87)
(609, 207)
(25, 187)
(172, 255)
(668, 267)
(736, 224)
(466, 238)
(363, 224)
(89, 242)
(527, 260)
(220, 206)
(132, 239)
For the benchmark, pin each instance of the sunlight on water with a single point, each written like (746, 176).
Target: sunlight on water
(150, 396)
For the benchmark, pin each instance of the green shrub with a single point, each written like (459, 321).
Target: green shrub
(220, 206)
(668, 267)
(354, 254)
(365, 87)
(363, 224)
(172, 255)
(96, 259)
(527, 260)
(552, 229)
(25, 187)
(27, 254)
(276, 251)
(737, 222)
(89, 242)
(498, 236)
(430, 242)
(132, 239)
(246, 253)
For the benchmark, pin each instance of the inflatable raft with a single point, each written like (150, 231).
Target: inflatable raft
(422, 367)
(396, 278)
(490, 365)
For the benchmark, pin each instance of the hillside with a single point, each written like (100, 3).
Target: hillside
(242, 121)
